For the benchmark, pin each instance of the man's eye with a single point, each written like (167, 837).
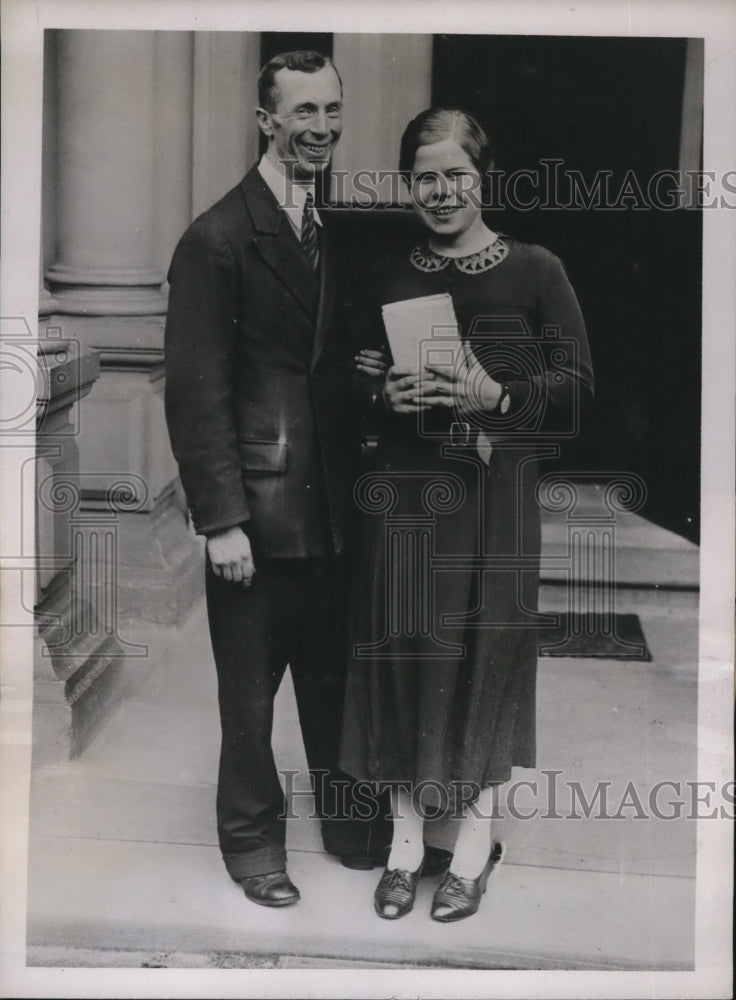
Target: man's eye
(303, 113)
(334, 112)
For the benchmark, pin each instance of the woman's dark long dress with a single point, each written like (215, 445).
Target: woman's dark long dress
(442, 674)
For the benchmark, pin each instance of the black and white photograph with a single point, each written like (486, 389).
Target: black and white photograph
(367, 463)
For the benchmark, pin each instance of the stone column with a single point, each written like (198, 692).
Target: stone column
(46, 303)
(123, 182)
(225, 133)
(387, 80)
(172, 146)
(105, 143)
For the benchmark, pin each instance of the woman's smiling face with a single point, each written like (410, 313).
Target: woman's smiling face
(446, 191)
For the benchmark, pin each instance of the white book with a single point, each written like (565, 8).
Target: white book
(423, 331)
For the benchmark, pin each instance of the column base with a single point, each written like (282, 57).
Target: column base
(76, 681)
(90, 655)
(88, 301)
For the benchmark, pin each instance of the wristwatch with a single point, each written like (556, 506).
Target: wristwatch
(504, 401)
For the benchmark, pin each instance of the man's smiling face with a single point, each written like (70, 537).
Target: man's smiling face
(305, 125)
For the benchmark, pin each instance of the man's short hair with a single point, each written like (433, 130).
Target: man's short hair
(303, 60)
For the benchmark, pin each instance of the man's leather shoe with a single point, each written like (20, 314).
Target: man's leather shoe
(273, 889)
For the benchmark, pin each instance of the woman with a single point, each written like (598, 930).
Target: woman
(441, 685)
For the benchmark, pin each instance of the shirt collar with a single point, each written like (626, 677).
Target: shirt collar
(291, 197)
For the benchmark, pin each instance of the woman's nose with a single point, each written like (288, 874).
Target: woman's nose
(436, 189)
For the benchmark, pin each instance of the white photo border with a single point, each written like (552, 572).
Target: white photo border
(22, 38)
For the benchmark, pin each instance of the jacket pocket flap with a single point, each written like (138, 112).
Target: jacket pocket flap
(263, 456)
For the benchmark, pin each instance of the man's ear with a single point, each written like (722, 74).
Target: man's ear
(264, 122)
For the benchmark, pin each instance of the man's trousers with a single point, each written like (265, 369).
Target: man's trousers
(294, 613)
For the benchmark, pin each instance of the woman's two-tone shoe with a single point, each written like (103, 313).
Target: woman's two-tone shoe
(395, 893)
(457, 898)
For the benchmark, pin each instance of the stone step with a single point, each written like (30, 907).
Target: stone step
(645, 554)
(115, 895)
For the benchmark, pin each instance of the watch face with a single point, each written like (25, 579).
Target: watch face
(505, 402)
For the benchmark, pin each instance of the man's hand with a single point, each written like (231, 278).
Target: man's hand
(231, 557)
(371, 362)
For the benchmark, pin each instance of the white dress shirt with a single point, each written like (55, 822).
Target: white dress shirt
(290, 196)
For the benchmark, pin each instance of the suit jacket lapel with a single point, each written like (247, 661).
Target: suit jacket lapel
(277, 243)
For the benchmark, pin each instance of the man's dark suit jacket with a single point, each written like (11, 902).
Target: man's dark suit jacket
(256, 380)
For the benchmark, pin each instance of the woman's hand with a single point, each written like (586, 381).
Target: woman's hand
(372, 363)
(467, 387)
(403, 391)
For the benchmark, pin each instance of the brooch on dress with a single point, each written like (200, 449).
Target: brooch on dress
(425, 259)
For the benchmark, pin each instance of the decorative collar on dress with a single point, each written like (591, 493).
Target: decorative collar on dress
(425, 259)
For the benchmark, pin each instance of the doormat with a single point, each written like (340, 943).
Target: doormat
(597, 636)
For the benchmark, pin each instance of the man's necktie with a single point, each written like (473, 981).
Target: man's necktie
(309, 232)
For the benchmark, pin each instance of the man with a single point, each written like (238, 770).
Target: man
(256, 402)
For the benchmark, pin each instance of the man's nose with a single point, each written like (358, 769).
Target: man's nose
(319, 123)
